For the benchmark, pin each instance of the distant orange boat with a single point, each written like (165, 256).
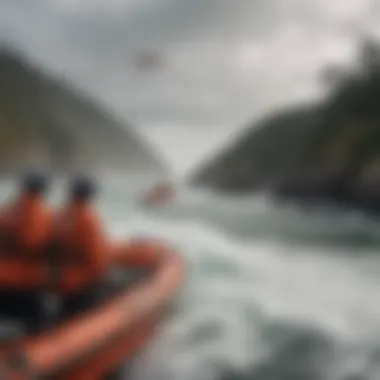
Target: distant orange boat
(160, 194)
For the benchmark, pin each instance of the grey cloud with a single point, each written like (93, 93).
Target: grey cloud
(223, 60)
(95, 47)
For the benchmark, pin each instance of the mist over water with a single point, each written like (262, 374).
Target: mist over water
(273, 292)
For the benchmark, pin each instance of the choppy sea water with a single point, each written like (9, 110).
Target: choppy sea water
(273, 292)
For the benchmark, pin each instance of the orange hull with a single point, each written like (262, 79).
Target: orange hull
(91, 345)
(18, 275)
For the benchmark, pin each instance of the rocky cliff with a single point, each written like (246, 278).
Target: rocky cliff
(328, 151)
(42, 118)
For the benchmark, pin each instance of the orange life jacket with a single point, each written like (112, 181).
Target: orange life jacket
(80, 237)
(27, 227)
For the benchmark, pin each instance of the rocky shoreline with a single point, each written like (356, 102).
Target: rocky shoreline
(340, 188)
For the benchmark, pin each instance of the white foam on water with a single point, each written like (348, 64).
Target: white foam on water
(239, 284)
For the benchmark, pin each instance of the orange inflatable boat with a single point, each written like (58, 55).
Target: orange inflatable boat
(105, 327)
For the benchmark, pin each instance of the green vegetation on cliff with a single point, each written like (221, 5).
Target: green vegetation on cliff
(330, 149)
(269, 148)
(42, 116)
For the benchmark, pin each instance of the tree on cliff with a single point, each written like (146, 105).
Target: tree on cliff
(326, 146)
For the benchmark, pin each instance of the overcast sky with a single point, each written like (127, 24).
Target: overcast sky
(222, 61)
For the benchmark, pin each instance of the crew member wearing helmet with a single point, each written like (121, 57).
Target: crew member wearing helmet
(79, 231)
(27, 222)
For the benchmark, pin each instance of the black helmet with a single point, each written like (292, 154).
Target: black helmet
(83, 187)
(34, 182)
